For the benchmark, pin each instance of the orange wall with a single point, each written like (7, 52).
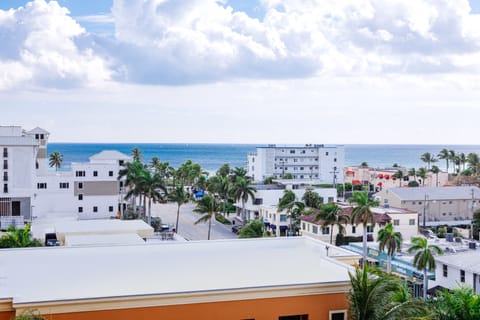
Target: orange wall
(7, 315)
(316, 306)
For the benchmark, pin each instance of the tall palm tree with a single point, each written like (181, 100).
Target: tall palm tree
(132, 172)
(181, 197)
(239, 172)
(293, 207)
(435, 170)
(220, 185)
(463, 160)
(150, 185)
(444, 155)
(399, 175)
(473, 162)
(242, 189)
(428, 158)
(136, 154)
(422, 173)
(424, 258)
(391, 240)
(209, 206)
(55, 160)
(332, 215)
(413, 173)
(363, 214)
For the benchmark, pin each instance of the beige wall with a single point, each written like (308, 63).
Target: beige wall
(97, 188)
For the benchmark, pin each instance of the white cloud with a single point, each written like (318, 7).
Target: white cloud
(41, 46)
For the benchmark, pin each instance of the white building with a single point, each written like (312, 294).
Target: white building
(454, 270)
(30, 189)
(311, 161)
(404, 221)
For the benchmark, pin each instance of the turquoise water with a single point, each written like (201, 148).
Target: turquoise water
(212, 156)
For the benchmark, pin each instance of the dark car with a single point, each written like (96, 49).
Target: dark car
(236, 229)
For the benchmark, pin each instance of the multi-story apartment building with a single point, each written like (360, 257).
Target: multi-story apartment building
(439, 205)
(318, 162)
(30, 189)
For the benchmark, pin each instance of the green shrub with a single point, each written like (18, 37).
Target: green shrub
(220, 218)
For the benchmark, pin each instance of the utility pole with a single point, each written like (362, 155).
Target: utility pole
(473, 208)
(425, 212)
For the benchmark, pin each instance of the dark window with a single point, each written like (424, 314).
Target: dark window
(64, 185)
(95, 209)
(95, 173)
(80, 173)
(369, 229)
(5, 152)
(258, 201)
(37, 136)
(354, 229)
(110, 173)
(5, 176)
(80, 185)
(121, 162)
(462, 275)
(296, 317)
(110, 209)
(445, 270)
(80, 209)
(5, 164)
(326, 153)
(5, 188)
(42, 136)
(80, 197)
(340, 315)
(42, 185)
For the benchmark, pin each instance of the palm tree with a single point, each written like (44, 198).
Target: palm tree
(150, 184)
(424, 258)
(473, 162)
(293, 207)
(209, 206)
(362, 213)
(181, 197)
(460, 303)
(132, 172)
(220, 185)
(382, 297)
(435, 170)
(137, 155)
(242, 189)
(332, 215)
(55, 160)
(422, 173)
(239, 172)
(391, 240)
(252, 230)
(413, 173)
(444, 155)
(428, 158)
(398, 175)
(463, 160)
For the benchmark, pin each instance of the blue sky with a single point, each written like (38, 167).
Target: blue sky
(268, 71)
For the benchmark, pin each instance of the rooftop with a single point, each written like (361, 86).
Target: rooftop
(173, 268)
(436, 193)
(109, 155)
(467, 260)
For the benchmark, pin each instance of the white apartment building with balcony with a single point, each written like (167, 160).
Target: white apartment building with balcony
(29, 189)
(317, 162)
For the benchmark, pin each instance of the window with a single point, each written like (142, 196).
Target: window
(5, 188)
(80, 197)
(326, 230)
(297, 317)
(258, 201)
(283, 218)
(338, 315)
(80, 185)
(80, 173)
(121, 162)
(5, 176)
(334, 159)
(326, 153)
(396, 222)
(64, 185)
(303, 225)
(5, 164)
(445, 270)
(42, 185)
(462, 275)
(80, 209)
(369, 229)
(95, 209)
(315, 229)
(292, 151)
(413, 202)
(110, 209)
(354, 229)
(5, 152)
(411, 222)
(330, 199)
(110, 173)
(95, 173)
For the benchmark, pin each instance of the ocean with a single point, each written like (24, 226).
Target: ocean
(212, 156)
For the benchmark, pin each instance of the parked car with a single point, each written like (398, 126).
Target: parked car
(236, 229)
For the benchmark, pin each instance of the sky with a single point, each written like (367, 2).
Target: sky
(243, 71)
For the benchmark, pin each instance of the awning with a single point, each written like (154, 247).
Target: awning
(273, 227)
(386, 176)
(356, 182)
(350, 173)
(267, 224)
(283, 228)
(380, 184)
(380, 176)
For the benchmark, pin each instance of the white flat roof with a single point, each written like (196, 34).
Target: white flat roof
(100, 226)
(467, 260)
(102, 239)
(60, 273)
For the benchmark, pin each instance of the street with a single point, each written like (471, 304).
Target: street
(186, 227)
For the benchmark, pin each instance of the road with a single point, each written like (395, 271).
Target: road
(186, 227)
